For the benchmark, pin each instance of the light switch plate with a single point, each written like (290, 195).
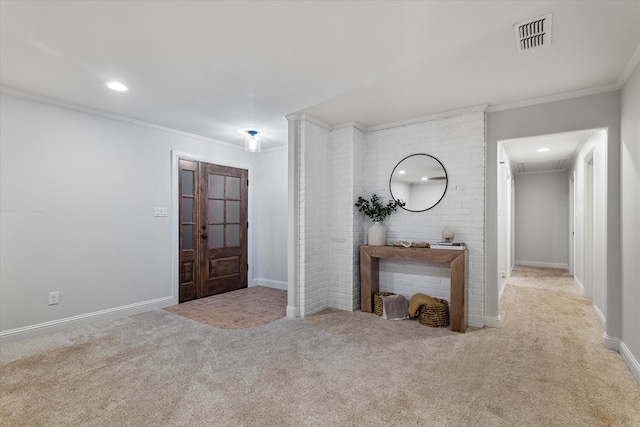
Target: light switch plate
(161, 212)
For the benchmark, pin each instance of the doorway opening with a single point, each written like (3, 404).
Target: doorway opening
(559, 200)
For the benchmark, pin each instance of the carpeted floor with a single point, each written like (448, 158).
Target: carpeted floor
(545, 367)
(241, 309)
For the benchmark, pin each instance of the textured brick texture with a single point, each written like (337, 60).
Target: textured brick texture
(458, 142)
(347, 146)
(315, 286)
(338, 166)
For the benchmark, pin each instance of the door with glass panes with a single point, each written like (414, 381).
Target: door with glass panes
(213, 229)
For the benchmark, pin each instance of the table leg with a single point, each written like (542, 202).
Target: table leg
(458, 314)
(369, 280)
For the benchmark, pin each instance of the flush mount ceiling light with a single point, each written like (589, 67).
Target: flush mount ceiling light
(117, 86)
(543, 150)
(401, 172)
(424, 178)
(252, 141)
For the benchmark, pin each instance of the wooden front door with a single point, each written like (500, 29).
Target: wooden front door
(213, 229)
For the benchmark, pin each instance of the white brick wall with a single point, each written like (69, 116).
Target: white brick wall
(314, 221)
(338, 166)
(458, 142)
(346, 229)
(358, 218)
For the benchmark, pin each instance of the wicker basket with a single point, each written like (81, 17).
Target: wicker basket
(436, 316)
(377, 302)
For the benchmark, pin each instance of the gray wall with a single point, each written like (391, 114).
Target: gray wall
(78, 192)
(270, 220)
(542, 219)
(587, 112)
(630, 219)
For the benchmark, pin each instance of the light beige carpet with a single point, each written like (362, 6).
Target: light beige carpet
(545, 367)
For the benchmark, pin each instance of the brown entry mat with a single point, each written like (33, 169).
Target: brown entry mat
(241, 309)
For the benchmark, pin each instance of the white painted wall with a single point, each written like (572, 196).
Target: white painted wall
(269, 251)
(542, 219)
(591, 283)
(78, 192)
(359, 165)
(630, 171)
(505, 218)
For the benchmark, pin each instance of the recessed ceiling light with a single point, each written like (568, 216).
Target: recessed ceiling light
(117, 86)
(543, 150)
(401, 172)
(424, 178)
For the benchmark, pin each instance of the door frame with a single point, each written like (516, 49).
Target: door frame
(572, 224)
(589, 223)
(175, 217)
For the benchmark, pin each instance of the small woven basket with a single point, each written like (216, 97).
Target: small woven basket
(377, 302)
(436, 316)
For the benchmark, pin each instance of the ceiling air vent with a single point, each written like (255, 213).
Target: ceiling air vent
(533, 33)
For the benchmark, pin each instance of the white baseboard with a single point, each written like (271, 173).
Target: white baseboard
(542, 264)
(599, 315)
(493, 321)
(292, 313)
(630, 360)
(84, 319)
(503, 286)
(611, 343)
(579, 285)
(474, 324)
(276, 284)
(313, 311)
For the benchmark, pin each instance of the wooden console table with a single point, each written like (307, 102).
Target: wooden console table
(456, 259)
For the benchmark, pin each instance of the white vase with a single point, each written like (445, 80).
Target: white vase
(377, 234)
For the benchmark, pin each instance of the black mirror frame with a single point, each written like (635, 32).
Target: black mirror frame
(446, 183)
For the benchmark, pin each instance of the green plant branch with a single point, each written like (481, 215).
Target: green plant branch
(376, 211)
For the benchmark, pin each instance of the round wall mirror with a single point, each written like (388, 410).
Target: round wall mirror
(419, 180)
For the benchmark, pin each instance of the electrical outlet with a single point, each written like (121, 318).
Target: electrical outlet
(54, 297)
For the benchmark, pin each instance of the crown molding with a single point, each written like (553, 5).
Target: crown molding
(352, 124)
(311, 119)
(75, 107)
(475, 109)
(276, 148)
(304, 117)
(552, 98)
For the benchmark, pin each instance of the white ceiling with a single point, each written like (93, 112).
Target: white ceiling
(211, 67)
(562, 149)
